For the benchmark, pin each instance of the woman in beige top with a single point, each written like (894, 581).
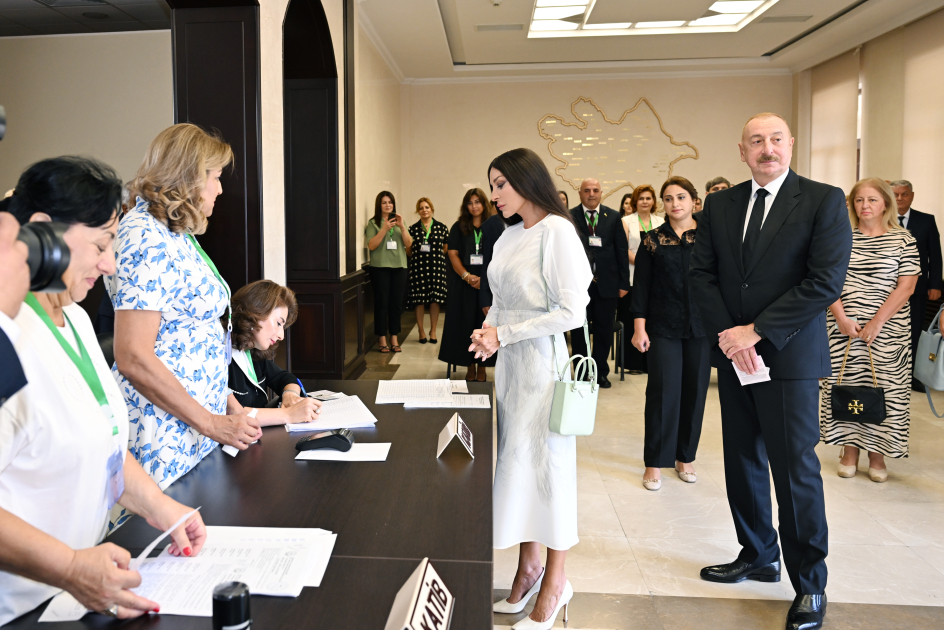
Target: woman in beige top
(639, 216)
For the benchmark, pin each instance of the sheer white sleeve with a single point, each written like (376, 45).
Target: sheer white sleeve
(567, 274)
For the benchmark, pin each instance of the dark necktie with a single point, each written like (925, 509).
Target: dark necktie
(592, 224)
(753, 227)
(901, 220)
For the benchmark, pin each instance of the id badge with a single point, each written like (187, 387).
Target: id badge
(115, 485)
(476, 259)
(596, 241)
(425, 247)
(229, 347)
(391, 244)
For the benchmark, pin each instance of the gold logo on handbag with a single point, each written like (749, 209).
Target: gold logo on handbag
(933, 357)
(855, 407)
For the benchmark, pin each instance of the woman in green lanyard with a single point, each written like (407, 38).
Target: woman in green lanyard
(387, 241)
(427, 268)
(171, 352)
(639, 218)
(463, 314)
(64, 437)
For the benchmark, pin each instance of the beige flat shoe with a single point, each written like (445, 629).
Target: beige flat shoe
(687, 477)
(878, 475)
(846, 472)
(652, 484)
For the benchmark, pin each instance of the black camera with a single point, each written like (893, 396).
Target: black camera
(48, 255)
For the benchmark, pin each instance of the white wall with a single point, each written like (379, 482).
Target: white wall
(101, 95)
(834, 95)
(452, 131)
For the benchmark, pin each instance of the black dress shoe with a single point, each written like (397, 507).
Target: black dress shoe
(918, 386)
(807, 612)
(738, 571)
(604, 383)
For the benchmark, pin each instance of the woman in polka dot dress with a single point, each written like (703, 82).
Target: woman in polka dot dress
(427, 268)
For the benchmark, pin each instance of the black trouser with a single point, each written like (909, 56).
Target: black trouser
(633, 359)
(389, 292)
(679, 372)
(918, 302)
(602, 312)
(776, 423)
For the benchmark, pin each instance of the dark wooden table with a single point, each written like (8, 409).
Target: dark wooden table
(388, 516)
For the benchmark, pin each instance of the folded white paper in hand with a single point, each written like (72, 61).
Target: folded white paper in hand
(135, 564)
(760, 376)
(232, 451)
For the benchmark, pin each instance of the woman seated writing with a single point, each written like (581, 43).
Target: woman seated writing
(64, 436)
(262, 311)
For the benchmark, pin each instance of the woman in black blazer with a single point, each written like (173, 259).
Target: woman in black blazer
(262, 310)
(668, 327)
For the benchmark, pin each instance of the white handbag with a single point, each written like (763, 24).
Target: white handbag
(574, 409)
(929, 359)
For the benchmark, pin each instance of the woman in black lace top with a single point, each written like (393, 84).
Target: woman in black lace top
(669, 329)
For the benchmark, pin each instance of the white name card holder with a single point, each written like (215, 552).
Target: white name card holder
(453, 429)
(423, 602)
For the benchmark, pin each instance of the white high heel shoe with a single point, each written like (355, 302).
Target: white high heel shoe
(507, 608)
(529, 624)
(847, 472)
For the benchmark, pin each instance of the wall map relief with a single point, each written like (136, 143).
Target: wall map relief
(634, 149)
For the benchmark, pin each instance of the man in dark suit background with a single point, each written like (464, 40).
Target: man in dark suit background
(492, 229)
(14, 284)
(602, 234)
(771, 255)
(924, 228)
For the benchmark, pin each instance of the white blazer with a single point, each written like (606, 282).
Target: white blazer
(634, 234)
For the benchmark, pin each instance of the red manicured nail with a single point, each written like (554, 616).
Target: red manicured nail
(188, 551)
(158, 609)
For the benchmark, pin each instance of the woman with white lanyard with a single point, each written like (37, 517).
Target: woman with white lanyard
(171, 353)
(64, 437)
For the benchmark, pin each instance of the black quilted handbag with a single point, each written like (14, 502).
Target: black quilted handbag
(852, 403)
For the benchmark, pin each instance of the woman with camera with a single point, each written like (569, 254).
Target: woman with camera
(171, 353)
(388, 242)
(64, 436)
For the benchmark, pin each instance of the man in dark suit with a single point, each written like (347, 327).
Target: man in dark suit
(924, 228)
(771, 255)
(492, 229)
(602, 234)
(14, 284)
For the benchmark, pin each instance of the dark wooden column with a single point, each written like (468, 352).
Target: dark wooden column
(216, 86)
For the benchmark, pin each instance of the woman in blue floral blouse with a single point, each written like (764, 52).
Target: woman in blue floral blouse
(171, 358)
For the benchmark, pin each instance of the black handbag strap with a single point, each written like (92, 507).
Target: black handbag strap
(871, 364)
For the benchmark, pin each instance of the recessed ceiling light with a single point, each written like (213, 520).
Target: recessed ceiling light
(557, 13)
(735, 6)
(667, 24)
(553, 25)
(722, 19)
(562, 3)
(607, 26)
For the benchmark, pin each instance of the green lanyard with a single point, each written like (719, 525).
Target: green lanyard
(428, 229)
(82, 360)
(478, 238)
(643, 225)
(252, 368)
(229, 306)
(592, 224)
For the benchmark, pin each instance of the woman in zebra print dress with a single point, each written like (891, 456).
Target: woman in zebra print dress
(873, 309)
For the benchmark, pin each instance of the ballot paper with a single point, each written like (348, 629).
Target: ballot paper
(323, 395)
(63, 607)
(459, 401)
(760, 376)
(338, 413)
(232, 451)
(459, 387)
(135, 563)
(415, 391)
(376, 452)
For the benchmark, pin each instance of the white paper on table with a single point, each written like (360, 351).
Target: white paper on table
(324, 394)
(375, 452)
(232, 451)
(338, 413)
(460, 387)
(63, 607)
(760, 376)
(319, 560)
(392, 392)
(135, 563)
(460, 401)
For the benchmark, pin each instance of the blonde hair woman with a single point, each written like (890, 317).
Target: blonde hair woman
(873, 313)
(171, 352)
(427, 253)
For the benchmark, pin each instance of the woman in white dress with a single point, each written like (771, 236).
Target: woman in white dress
(535, 495)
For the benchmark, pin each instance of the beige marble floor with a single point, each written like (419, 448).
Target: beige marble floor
(886, 540)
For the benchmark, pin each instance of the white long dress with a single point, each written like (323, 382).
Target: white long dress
(535, 494)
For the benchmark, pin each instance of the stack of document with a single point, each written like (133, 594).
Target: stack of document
(459, 401)
(347, 412)
(414, 392)
(271, 561)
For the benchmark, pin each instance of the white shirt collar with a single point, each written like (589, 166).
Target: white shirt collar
(586, 209)
(772, 188)
(10, 327)
(907, 216)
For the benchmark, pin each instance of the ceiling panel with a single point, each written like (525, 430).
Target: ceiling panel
(147, 12)
(30, 17)
(14, 30)
(79, 14)
(60, 29)
(39, 15)
(610, 11)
